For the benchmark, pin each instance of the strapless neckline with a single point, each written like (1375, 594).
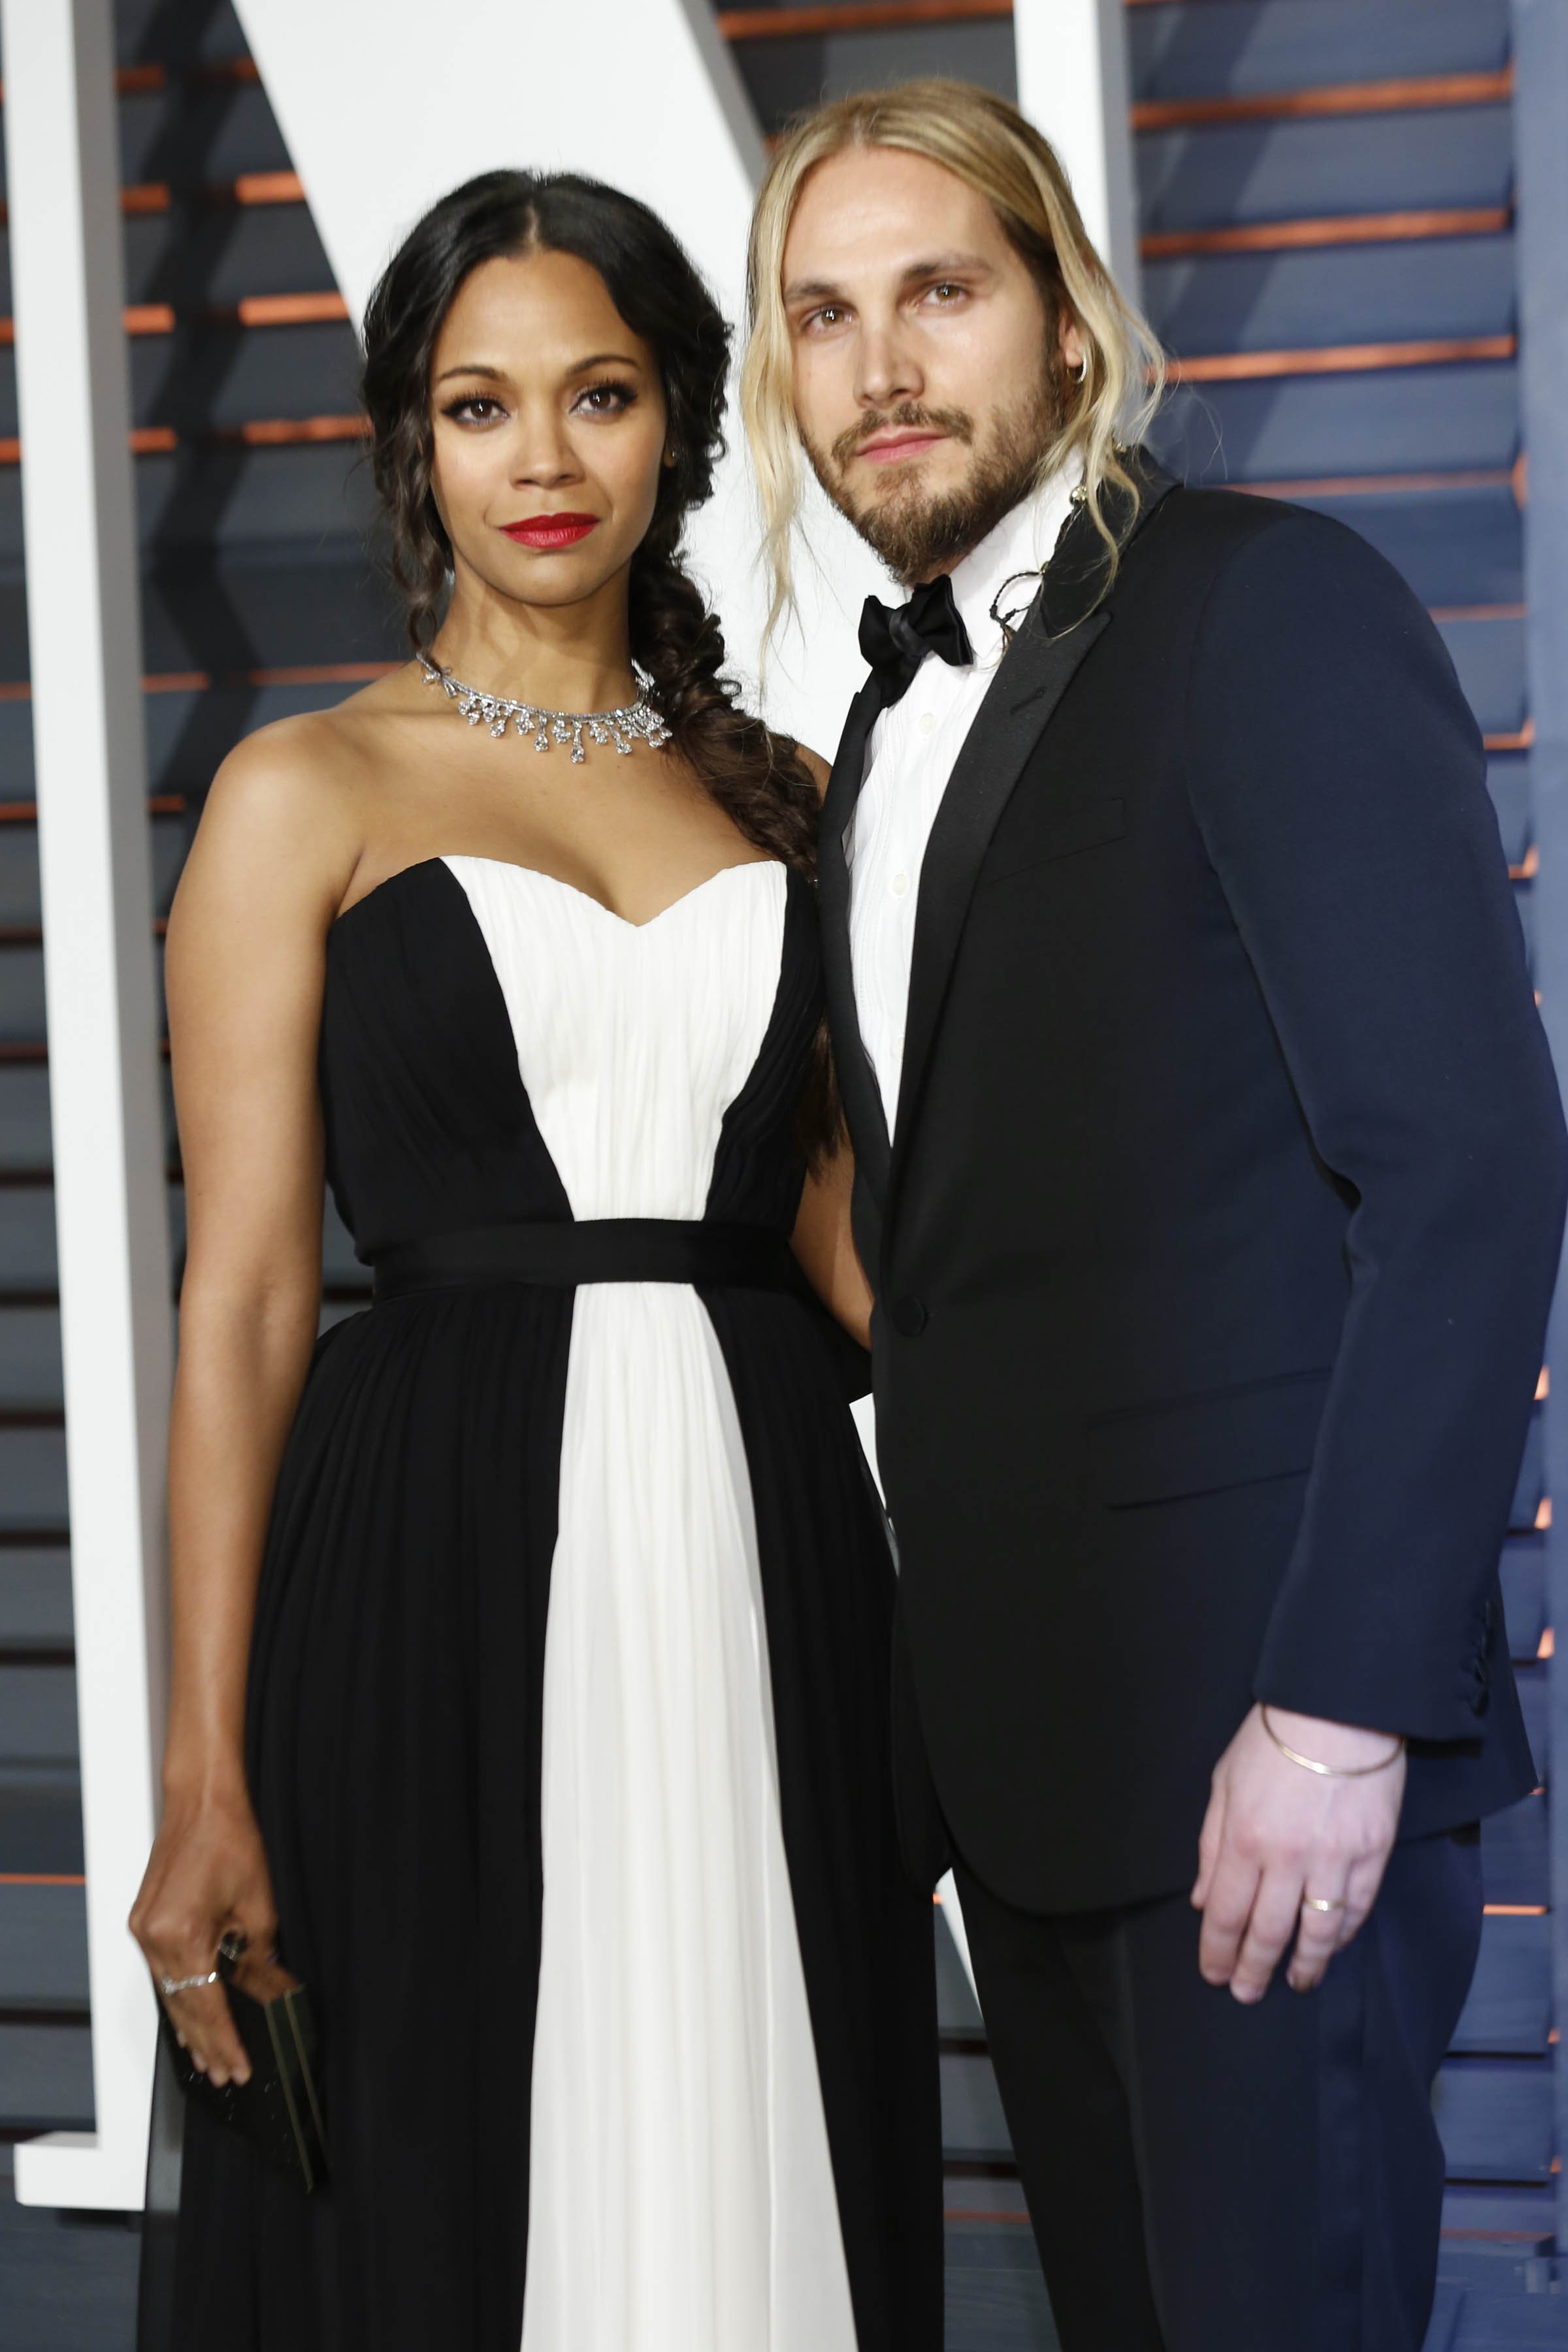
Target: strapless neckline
(453, 858)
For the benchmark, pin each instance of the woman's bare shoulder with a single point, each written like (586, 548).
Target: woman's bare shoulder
(317, 754)
(821, 769)
(298, 790)
(816, 767)
(283, 817)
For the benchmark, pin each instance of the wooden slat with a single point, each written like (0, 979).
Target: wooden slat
(198, 681)
(251, 311)
(43, 1951)
(1355, 486)
(26, 811)
(1406, 94)
(1508, 2008)
(1341, 359)
(46, 2076)
(1495, 2118)
(250, 188)
(281, 432)
(146, 80)
(287, 310)
(260, 432)
(851, 16)
(1330, 229)
(262, 188)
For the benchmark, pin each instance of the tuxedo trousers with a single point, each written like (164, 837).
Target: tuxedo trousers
(1209, 2177)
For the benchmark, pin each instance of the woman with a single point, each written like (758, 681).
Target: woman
(558, 1770)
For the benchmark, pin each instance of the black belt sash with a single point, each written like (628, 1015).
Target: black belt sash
(599, 1249)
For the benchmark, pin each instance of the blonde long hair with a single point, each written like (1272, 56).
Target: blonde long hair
(987, 143)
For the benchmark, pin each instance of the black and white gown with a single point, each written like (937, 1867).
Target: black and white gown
(568, 1710)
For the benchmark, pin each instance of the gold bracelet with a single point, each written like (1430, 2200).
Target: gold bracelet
(1330, 1771)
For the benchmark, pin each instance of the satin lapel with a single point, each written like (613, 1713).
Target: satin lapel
(1064, 623)
(1031, 682)
(857, 1079)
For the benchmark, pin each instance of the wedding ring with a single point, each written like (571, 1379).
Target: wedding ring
(168, 1986)
(1322, 1903)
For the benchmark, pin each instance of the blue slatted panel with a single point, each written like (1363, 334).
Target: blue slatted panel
(1248, 47)
(1508, 2011)
(1461, 419)
(1221, 174)
(1397, 291)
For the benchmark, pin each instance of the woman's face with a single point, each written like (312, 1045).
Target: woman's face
(548, 430)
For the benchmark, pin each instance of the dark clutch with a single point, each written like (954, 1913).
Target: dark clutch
(280, 2109)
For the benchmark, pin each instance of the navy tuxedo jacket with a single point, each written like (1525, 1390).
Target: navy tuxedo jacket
(1213, 1247)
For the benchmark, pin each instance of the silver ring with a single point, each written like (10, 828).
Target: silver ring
(168, 1986)
(1322, 1903)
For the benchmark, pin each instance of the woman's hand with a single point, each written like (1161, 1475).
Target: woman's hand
(207, 1878)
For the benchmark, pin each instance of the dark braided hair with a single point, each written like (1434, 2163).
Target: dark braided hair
(757, 778)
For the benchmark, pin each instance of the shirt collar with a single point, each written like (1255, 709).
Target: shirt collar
(1022, 541)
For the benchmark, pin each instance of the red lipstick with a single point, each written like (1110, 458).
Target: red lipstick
(549, 531)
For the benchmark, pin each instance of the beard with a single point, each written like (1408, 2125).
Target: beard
(916, 533)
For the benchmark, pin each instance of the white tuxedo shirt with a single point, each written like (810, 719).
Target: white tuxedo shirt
(910, 759)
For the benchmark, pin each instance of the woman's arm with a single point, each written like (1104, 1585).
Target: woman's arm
(823, 1241)
(825, 1245)
(245, 959)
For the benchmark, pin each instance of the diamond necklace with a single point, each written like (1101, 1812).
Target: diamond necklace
(635, 721)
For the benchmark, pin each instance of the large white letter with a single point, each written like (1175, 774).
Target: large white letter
(1072, 85)
(84, 630)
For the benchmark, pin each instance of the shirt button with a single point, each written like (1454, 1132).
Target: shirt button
(899, 886)
(927, 723)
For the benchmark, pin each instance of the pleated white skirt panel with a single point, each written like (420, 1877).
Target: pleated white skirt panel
(681, 2193)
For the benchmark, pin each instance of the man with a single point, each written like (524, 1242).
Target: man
(1210, 1182)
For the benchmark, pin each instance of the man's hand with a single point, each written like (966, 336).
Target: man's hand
(1275, 1833)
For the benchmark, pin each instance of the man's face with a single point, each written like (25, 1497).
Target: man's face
(922, 376)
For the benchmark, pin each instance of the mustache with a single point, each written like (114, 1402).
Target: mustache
(955, 421)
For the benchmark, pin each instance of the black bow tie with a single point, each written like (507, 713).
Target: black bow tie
(896, 639)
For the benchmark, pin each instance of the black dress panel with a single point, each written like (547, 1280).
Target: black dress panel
(394, 1717)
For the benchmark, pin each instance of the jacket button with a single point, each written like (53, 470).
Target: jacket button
(909, 1317)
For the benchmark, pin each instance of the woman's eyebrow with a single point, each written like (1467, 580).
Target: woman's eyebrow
(606, 359)
(578, 367)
